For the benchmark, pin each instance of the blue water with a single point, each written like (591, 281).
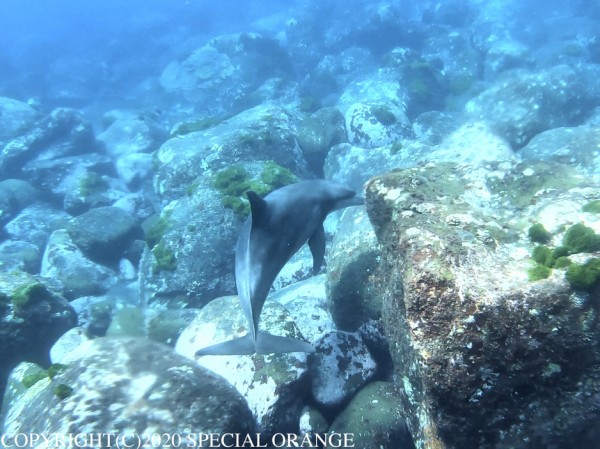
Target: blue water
(100, 49)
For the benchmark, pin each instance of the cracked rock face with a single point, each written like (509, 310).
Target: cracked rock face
(484, 357)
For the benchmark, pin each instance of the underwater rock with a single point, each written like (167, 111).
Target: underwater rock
(165, 326)
(274, 385)
(262, 133)
(53, 175)
(32, 318)
(221, 76)
(353, 165)
(352, 271)
(67, 343)
(94, 313)
(312, 421)
(135, 168)
(318, 132)
(376, 418)
(297, 269)
(64, 263)
(192, 253)
(35, 223)
(306, 302)
(16, 117)
(19, 255)
(432, 127)
(137, 205)
(577, 146)
(130, 132)
(472, 143)
(87, 189)
(504, 54)
(104, 233)
(15, 195)
(340, 367)
(383, 89)
(484, 357)
(129, 386)
(522, 104)
(375, 125)
(63, 132)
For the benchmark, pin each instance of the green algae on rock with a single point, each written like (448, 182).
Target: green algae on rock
(585, 276)
(233, 182)
(537, 233)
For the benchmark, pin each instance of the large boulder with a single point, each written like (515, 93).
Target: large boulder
(32, 318)
(16, 118)
(222, 75)
(341, 365)
(35, 223)
(352, 268)
(522, 104)
(104, 233)
(262, 133)
(15, 195)
(129, 387)
(192, 255)
(577, 145)
(63, 132)
(491, 349)
(275, 385)
(73, 273)
(375, 418)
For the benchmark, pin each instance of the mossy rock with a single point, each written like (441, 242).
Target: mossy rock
(164, 256)
(91, 184)
(519, 188)
(318, 132)
(543, 255)
(63, 391)
(584, 277)
(581, 239)
(233, 182)
(537, 233)
(156, 226)
(538, 272)
(592, 207)
(26, 293)
(196, 125)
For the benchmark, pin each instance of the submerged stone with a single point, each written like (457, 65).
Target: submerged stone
(483, 357)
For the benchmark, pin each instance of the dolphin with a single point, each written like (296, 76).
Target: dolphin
(279, 224)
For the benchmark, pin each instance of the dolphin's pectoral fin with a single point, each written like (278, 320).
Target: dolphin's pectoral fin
(238, 346)
(316, 243)
(259, 209)
(274, 344)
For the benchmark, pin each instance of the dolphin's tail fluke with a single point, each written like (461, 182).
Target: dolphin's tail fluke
(265, 344)
(238, 346)
(274, 344)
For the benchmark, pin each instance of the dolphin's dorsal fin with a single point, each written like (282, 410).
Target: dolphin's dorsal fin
(259, 208)
(316, 243)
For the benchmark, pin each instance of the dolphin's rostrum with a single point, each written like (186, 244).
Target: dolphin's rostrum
(278, 226)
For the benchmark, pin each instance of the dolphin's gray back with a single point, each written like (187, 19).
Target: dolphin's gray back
(278, 226)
